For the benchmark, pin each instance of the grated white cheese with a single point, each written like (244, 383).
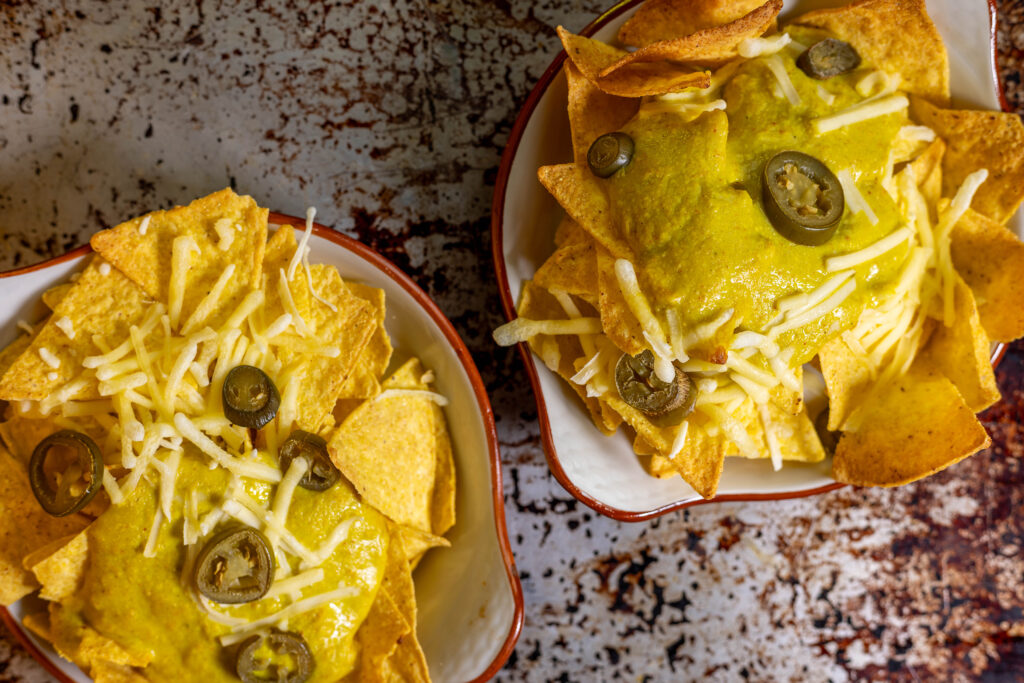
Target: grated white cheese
(760, 47)
(288, 301)
(104, 268)
(679, 440)
(778, 69)
(854, 199)
(243, 468)
(144, 225)
(66, 326)
(224, 227)
(53, 376)
(825, 96)
(49, 357)
(524, 329)
(824, 308)
(301, 249)
(769, 435)
(863, 111)
(154, 532)
(589, 369)
(870, 252)
(181, 251)
(294, 584)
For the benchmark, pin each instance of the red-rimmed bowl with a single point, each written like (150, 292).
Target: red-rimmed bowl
(469, 598)
(600, 471)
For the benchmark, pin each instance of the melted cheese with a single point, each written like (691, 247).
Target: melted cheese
(870, 252)
(863, 111)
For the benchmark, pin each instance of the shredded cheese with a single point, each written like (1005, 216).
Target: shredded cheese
(181, 251)
(224, 227)
(854, 199)
(760, 47)
(589, 369)
(863, 111)
(808, 315)
(66, 326)
(243, 468)
(870, 252)
(769, 435)
(288, 302)
(104, 268)
(524, 329)
(49, 357)
(778, 69)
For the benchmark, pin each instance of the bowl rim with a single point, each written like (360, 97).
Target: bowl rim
(483, 403)
(508, 303)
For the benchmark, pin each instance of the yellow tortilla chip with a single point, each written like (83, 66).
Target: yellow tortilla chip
(364, 381)
(97, 304)
(386, 448)
(962, 352)
(847, 377)
(702, 458)
(709, 47)
(60, 573)
(572, 268)
(593, 112)
(794, 433)
(990, 259)
(569, 232)
(593, 58)
(24, 526)
(659, 20)
(897, 35)
(347, 329)
(280, 248)
(222, 219)
(976, 140)
(378, 637)
(417, 543)
(53, 295)
(537, 304)
(916, 426)
(103, 671)
(574, 188)
(12, 351)
(618, 322)
(38, 623)
(928, 172)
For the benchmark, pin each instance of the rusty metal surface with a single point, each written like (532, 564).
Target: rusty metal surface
(390, 118)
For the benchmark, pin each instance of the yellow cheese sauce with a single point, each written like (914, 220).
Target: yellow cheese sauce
(689, 203)
(143, 604)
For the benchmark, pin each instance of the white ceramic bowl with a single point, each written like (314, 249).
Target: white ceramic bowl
(469, 597)
(603, 471)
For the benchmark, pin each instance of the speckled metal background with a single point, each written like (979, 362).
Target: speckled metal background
(390, 117)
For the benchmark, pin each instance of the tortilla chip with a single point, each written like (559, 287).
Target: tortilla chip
(709, 47)
(53, 295)
(659, 20)
(24, 526)
(538, 304)
(847, 378)
(371, 364)
(12, 351)
(102, 651)
(38, 623)
(962, 352)
(378, 637)
(928, 172)
(990, 259)
(442, 505)
(145, 258)
(573, 186)
(97, 304)
(794, 433)
(569, 232)
(917, 426)
(702, 458)
(387, 449)
(61, 572)
(898, 34)
(348, 329)
(280, 248)
(417, 543)
(572, 268)
(617, 321)
(594, 58)
(103, 671)
(593, 112)
(976, 140)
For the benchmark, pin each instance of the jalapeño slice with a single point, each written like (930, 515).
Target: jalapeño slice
(250, 397)
(609, 153)
(828, 58)
(641, 388)
(235, 566)
(802, 198)
(280, 656)
(65, 472)
(321, 473)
